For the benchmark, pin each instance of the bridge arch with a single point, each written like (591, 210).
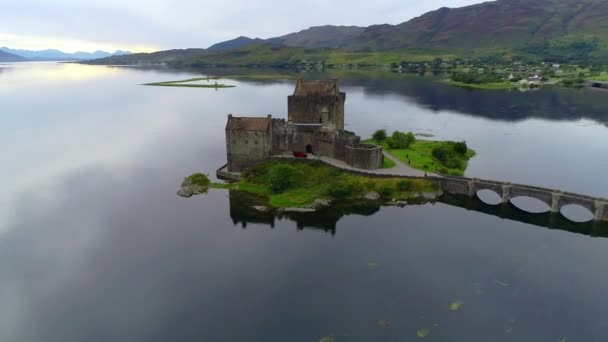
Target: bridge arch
(530, 204)
(489, 197)
(577, 213)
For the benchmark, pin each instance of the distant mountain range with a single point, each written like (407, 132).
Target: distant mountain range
(9, 57)
(556, 30)
(55, 55)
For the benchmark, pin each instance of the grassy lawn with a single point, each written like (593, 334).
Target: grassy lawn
(387, 163)
(420, 156)
(484, 86)
(307, 182)
(188, 83)
(602, 77)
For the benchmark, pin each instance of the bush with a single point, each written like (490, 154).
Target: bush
(282, 177)
(461, 147)
(342, 189)
(400, 140)
(379, 135)
(441, 153)
(199, 179)
(404, 185)
(386, 191)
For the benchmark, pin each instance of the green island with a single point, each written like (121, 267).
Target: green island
(445, 157)
(188, 83)
(483, 86)
(313, 184)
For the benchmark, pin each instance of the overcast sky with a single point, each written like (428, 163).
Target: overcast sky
(145, 25)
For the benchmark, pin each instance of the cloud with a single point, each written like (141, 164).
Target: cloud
(163, 24)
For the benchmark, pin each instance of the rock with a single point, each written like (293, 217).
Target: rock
(185, 192)
(187, 182)
(261, 208)
(191, 190)
(397, 203)
(299, 210)
(320, 203)
(431, 195)
(372, 196)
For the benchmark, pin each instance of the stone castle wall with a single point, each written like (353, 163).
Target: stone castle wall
(246, 148)
(309, 109)
(364, 156)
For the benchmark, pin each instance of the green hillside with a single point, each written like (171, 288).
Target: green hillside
(553, 30)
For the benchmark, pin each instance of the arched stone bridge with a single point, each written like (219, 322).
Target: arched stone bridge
(555, 199)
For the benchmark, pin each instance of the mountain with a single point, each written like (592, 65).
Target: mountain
(322, 37)
(491, 25)
(236, 43)
(9, 57)
(554, 30)
(52, 55)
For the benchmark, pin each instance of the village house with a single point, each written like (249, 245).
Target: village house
(314, 125)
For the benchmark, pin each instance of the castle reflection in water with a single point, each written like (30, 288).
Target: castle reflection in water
(243, 213)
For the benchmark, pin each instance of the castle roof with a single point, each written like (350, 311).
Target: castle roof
(248, 124)
(304, 88)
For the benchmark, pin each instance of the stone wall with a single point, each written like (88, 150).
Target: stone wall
(246, 148)
(287, 137)
(364, 156)
(308, 109)
(280, 136)
(342, 140)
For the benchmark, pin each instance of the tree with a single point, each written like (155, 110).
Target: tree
(400, 140)
(379, 135)
(410, 138)
(461, 147)
(441, 153)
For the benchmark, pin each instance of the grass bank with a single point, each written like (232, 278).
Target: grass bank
(387, 163)
(187, 83)
(419, 155)
(290, 184)
(484, 86)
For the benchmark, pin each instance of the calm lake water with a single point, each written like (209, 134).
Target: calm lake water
(96, 246)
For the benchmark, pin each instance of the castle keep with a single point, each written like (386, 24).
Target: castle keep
(315, 125)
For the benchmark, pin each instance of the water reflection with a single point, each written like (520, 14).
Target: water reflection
(243, 213)
(99, 248)
(428, 91)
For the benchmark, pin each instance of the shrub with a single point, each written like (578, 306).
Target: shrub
(461, 147)
(342, 189)
(282, 177)
(199, 179)
(400, 140)
(441, 153)
(386, 191)
(255, 173)
(404, 185)
(379, 135)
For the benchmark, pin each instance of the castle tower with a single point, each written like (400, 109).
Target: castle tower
(317, 102)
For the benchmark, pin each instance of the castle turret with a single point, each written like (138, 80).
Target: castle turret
(317, 102)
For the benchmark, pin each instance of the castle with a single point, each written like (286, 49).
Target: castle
(315, 125)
